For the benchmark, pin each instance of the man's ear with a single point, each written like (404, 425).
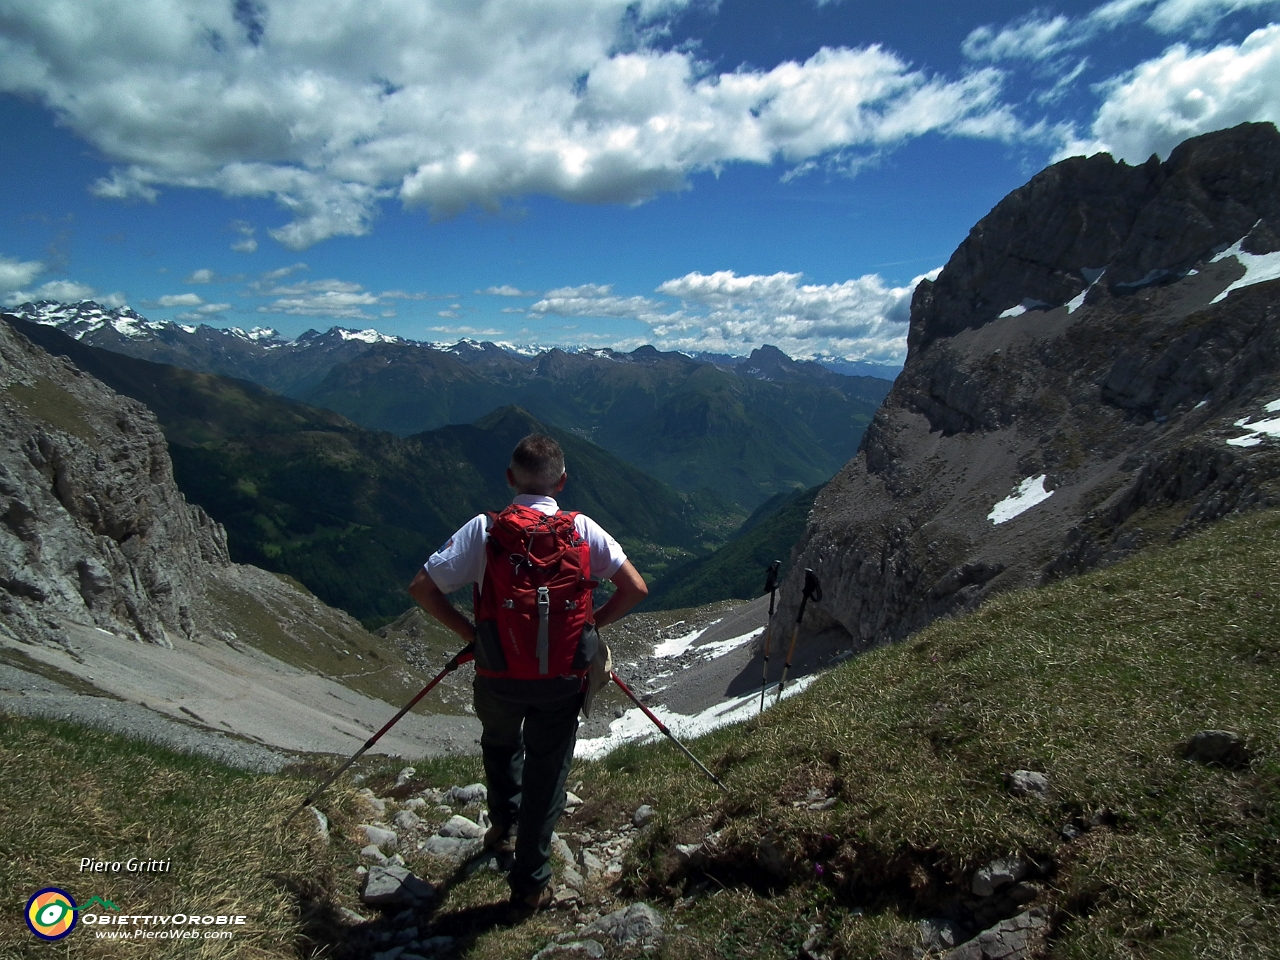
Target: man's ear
(511, 479)
(560, 484)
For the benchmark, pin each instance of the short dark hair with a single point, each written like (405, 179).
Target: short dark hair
(537, 463)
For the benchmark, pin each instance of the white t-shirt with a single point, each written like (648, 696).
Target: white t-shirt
(461, 561)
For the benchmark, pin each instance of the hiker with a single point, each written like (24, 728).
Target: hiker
(530, 666)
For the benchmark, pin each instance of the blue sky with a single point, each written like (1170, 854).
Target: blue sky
(693, 174)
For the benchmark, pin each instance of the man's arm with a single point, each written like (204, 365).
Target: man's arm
(631, 590)
(428, 595)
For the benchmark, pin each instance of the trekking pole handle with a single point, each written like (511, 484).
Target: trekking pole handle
(812, 591)
(771, 583)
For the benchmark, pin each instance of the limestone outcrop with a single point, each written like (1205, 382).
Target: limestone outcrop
(1096, 368)
(92, 527)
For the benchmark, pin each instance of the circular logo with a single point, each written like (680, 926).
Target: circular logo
(51, 913)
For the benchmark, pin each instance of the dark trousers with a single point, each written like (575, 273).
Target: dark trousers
(527, 750)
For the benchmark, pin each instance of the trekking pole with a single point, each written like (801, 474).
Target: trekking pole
(771, 587)
(465, 655)
(812, 591)
(661, 726)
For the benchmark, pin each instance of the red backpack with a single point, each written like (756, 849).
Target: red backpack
(534, 610)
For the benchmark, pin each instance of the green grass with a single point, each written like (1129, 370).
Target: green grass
(1093, 681)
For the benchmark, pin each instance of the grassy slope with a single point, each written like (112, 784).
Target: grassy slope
(1093, 681)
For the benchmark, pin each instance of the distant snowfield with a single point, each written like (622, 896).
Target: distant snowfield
(1258, 268)
(1025, 496)
(634, 726)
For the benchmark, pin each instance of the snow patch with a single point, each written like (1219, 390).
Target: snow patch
(1091, 276)
(1272, 407)
(677, 646)
(634, 726)
(1021, 308)
(1258, 268)
(1024, 496)
(1257, 431)
(366, 336)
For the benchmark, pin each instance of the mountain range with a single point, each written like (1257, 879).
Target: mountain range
(743, 428)
(350, 512)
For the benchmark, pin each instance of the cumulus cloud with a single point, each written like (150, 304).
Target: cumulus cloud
(16, 274)
(203, 275)
(333, 108)
(506, 290)
(1183, 93)
(859, 319)
(16, 277)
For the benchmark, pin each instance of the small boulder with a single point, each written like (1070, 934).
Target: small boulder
(394, 886)
(471, 793)
(404, 776)
(384, 838)
(571, 799)
(415, 804)
(1029, 783)
(590, 949)
(459, 826)
(644, 813)
(561, 849)
(322, 824)
(998, 874)
(372, 852)
(592, 866)
(449, 848)
(940, 934)
(637, 924)
(407, 820)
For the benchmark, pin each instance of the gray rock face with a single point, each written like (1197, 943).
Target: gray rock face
(92, 526)
(636, 924)
(1018, 938)
(392, 886)
(998, 874)
(1029, 783)
(1043, 413)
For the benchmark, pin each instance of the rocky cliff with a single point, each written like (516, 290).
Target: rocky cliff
(1096, 368)
(94, 532)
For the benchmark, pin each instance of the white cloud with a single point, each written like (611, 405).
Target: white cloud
(1185, 92)
(1039, 36)
(864, 318)
(331, 108)
(16, 274)
(506, 290)
(1033, 37)
(467, 331)
(247, 242)
(212, 308)
(66, 290)
(175, 300)
(203, 275)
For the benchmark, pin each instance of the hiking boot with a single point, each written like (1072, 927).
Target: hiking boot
(500, 839)
(531, 903)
